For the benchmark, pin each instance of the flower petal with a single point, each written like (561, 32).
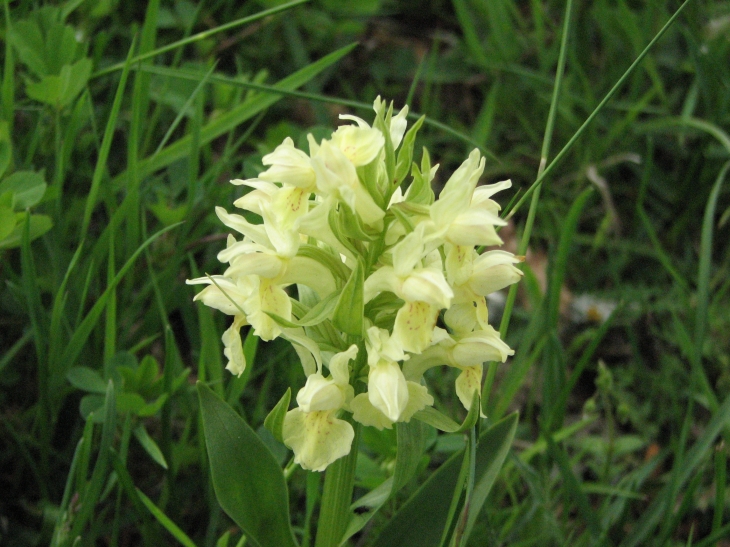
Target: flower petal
(339, 365)
(233, 347)
(469, 381)
(288, 165)
(317, 438)
(418, 399)
(359, 144)
(320, 393)
(414, 326)
(427, 285)
(479, 347)
(387, 389)
(364, 412)
(494, 271)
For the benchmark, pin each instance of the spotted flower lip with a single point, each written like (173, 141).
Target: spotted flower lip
(326, 235)
(313, 430)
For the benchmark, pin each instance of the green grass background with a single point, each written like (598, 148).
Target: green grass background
(135, 115)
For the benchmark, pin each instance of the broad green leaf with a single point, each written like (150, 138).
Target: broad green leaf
(60, 91)
(129, 402)
(168, 215)
(274, 422)
(7, 199)
(89, 405)
(150, 409)
(248, 482)
(411, 443)
(7, 221)
(28, 187)
(86, 379)
(150, 445)
(350, 309)
(421, 520)
(28, 39)
(39, 225)
(489, 462)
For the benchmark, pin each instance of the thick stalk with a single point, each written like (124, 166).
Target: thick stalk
(339, 482)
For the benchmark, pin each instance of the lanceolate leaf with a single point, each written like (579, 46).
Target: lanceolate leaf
(440, 421)
(422, 518)
(275, 420)
(248, 482)
(348, 315)
(411, 442)
(405, 154)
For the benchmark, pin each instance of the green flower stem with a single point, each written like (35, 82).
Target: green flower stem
(459, 537)
(339, 482)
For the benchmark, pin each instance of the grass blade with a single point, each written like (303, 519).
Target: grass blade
(163, 519)
(106, 144)
(596, 110)
(699, 451)
(201, 36)
(99, 475)
(82, 332)
(232, 119)
(703, 282)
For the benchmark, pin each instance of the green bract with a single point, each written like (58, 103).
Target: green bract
(378, 266)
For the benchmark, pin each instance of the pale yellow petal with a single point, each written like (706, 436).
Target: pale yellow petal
(320, 393)
(233, 347)
(414, 326)
(339, 365)
(479, 347)
(289, 166)
(418, 399)
(387, 389)
(427, 285)
(365, 413)
(317, 438)
(494, 271)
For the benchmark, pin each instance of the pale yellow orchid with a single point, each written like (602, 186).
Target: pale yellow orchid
(424, 290)
(473, 277)
(467, 353)
(464, 215)
(312, 430)
(289, 165)
(337, 177)
(330, 204)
